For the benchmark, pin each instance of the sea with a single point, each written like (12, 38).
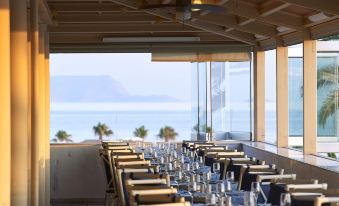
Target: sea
(80, 123)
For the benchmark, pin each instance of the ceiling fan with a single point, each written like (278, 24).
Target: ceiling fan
(184, 8)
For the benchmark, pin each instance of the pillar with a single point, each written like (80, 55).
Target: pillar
(47, 113)
(19, 102)
(310, 96)
(259, 95)
(35, 109)
(41, 114)
(5, 107)
(282, 96)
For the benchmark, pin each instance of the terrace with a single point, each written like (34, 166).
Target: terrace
(216, 38)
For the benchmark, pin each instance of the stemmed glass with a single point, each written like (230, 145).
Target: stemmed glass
(216, 169)
(230, 176)
(255, 188)
(285, 199)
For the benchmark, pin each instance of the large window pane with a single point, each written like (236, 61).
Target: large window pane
(295, 96)
(327, 96)
(202, 95)
(194, 101)
(239, 93)
(218, 91)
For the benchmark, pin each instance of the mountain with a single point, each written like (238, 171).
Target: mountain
(96, 89)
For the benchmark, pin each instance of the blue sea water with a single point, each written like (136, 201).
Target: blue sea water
(80, 124)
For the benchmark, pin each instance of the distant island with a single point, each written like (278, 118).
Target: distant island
(96, 89)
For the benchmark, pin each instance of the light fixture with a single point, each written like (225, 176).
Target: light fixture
(149, 39)
(282, 28)
(196, 2)
(259, 36)
(317, 17)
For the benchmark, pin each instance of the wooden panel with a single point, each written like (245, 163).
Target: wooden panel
(282, 96)
(5, 119)
(20, 104)
(199, 57)
(259, 96)
(310, 96)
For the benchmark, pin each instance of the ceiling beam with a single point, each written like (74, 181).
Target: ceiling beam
(252, 11)
(327, 6)
(231, 21)
(148, 48)
(89, 7)
(121, 28)
(272, 6)
(108, 18)
(219, 30)
(95, 38)
(45, 14)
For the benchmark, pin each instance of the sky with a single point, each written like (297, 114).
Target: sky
(136, 72)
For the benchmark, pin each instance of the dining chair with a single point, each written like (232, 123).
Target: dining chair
(171, 204)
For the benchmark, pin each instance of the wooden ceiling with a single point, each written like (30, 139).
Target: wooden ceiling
(81, 25)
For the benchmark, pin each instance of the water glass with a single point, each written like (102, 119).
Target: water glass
(220, 188)
(285, 199)
(211, 199)
(228, 201)
(255, 188)
(216, 167)
(230, 176)
(250, 199)
(221, 201)
(228, 185)
(197, 178)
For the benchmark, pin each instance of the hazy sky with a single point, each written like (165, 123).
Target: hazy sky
(136, 72)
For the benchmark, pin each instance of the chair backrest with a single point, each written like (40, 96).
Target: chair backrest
(158, 199)
(171, 204)
(319, 201)
(121, 174)
(296, 187)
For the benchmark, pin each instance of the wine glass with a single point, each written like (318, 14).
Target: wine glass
(228, 201)
(228, 186)
(285, 199)
(230, 176)
(255, 188)
(216, 169)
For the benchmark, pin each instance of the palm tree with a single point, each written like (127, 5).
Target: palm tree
(209, 132)
(102, 130)
(328, 77)
(141, 132)
(62, 136)
(167, 133)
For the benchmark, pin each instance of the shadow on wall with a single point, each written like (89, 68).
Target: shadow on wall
(77, 174)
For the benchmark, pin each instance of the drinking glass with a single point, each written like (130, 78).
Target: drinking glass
(228, 186)
(211, 199)
(221, 200)
(228, 201)
(230, 176)
(216, 170)
(220, 188)
(285, 199)
(255, 188)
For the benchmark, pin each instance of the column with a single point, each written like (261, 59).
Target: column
(310, 96)
(36, 132)
(42, 114)
(282, 96)
(259, 95)
(47, 112)
(19, 102)
(5, 107)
